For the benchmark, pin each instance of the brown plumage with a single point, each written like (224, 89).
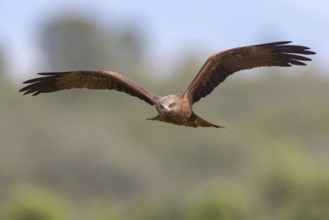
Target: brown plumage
(177, 108)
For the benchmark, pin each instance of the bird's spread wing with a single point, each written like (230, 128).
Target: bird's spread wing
(221, 65)
(55, 81)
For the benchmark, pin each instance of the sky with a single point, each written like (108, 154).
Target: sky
(172, 27)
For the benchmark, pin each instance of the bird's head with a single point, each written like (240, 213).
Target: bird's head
(168, 104)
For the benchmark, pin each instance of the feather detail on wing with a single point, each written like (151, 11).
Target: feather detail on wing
(222, 64)
(55, 81)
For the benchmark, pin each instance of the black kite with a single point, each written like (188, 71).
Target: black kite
(177, 108)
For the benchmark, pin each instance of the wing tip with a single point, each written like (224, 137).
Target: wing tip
(306, 50)
(290, 53)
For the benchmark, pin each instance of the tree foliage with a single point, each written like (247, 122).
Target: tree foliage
(78, 43)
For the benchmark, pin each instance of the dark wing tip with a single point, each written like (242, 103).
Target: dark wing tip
(284, 45)
(289, 54)
(40, 84)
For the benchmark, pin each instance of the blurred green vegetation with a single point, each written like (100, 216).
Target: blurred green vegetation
(91, 155)
(34, 203)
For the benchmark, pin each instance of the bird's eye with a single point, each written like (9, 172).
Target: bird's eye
(172, 105)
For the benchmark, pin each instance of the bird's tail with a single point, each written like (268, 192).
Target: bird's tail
(156, 118)
(194, 121)
(199, 122)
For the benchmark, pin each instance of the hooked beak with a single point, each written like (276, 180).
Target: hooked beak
(167, 108)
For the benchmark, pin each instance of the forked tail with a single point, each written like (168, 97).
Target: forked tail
(194, 121)
(199, 122)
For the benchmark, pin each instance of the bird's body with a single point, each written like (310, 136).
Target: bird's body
(173, 108)
(177, 108)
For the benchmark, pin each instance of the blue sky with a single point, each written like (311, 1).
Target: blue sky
(172, 27)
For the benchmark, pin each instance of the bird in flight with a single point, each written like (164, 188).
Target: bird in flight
(177, 108)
